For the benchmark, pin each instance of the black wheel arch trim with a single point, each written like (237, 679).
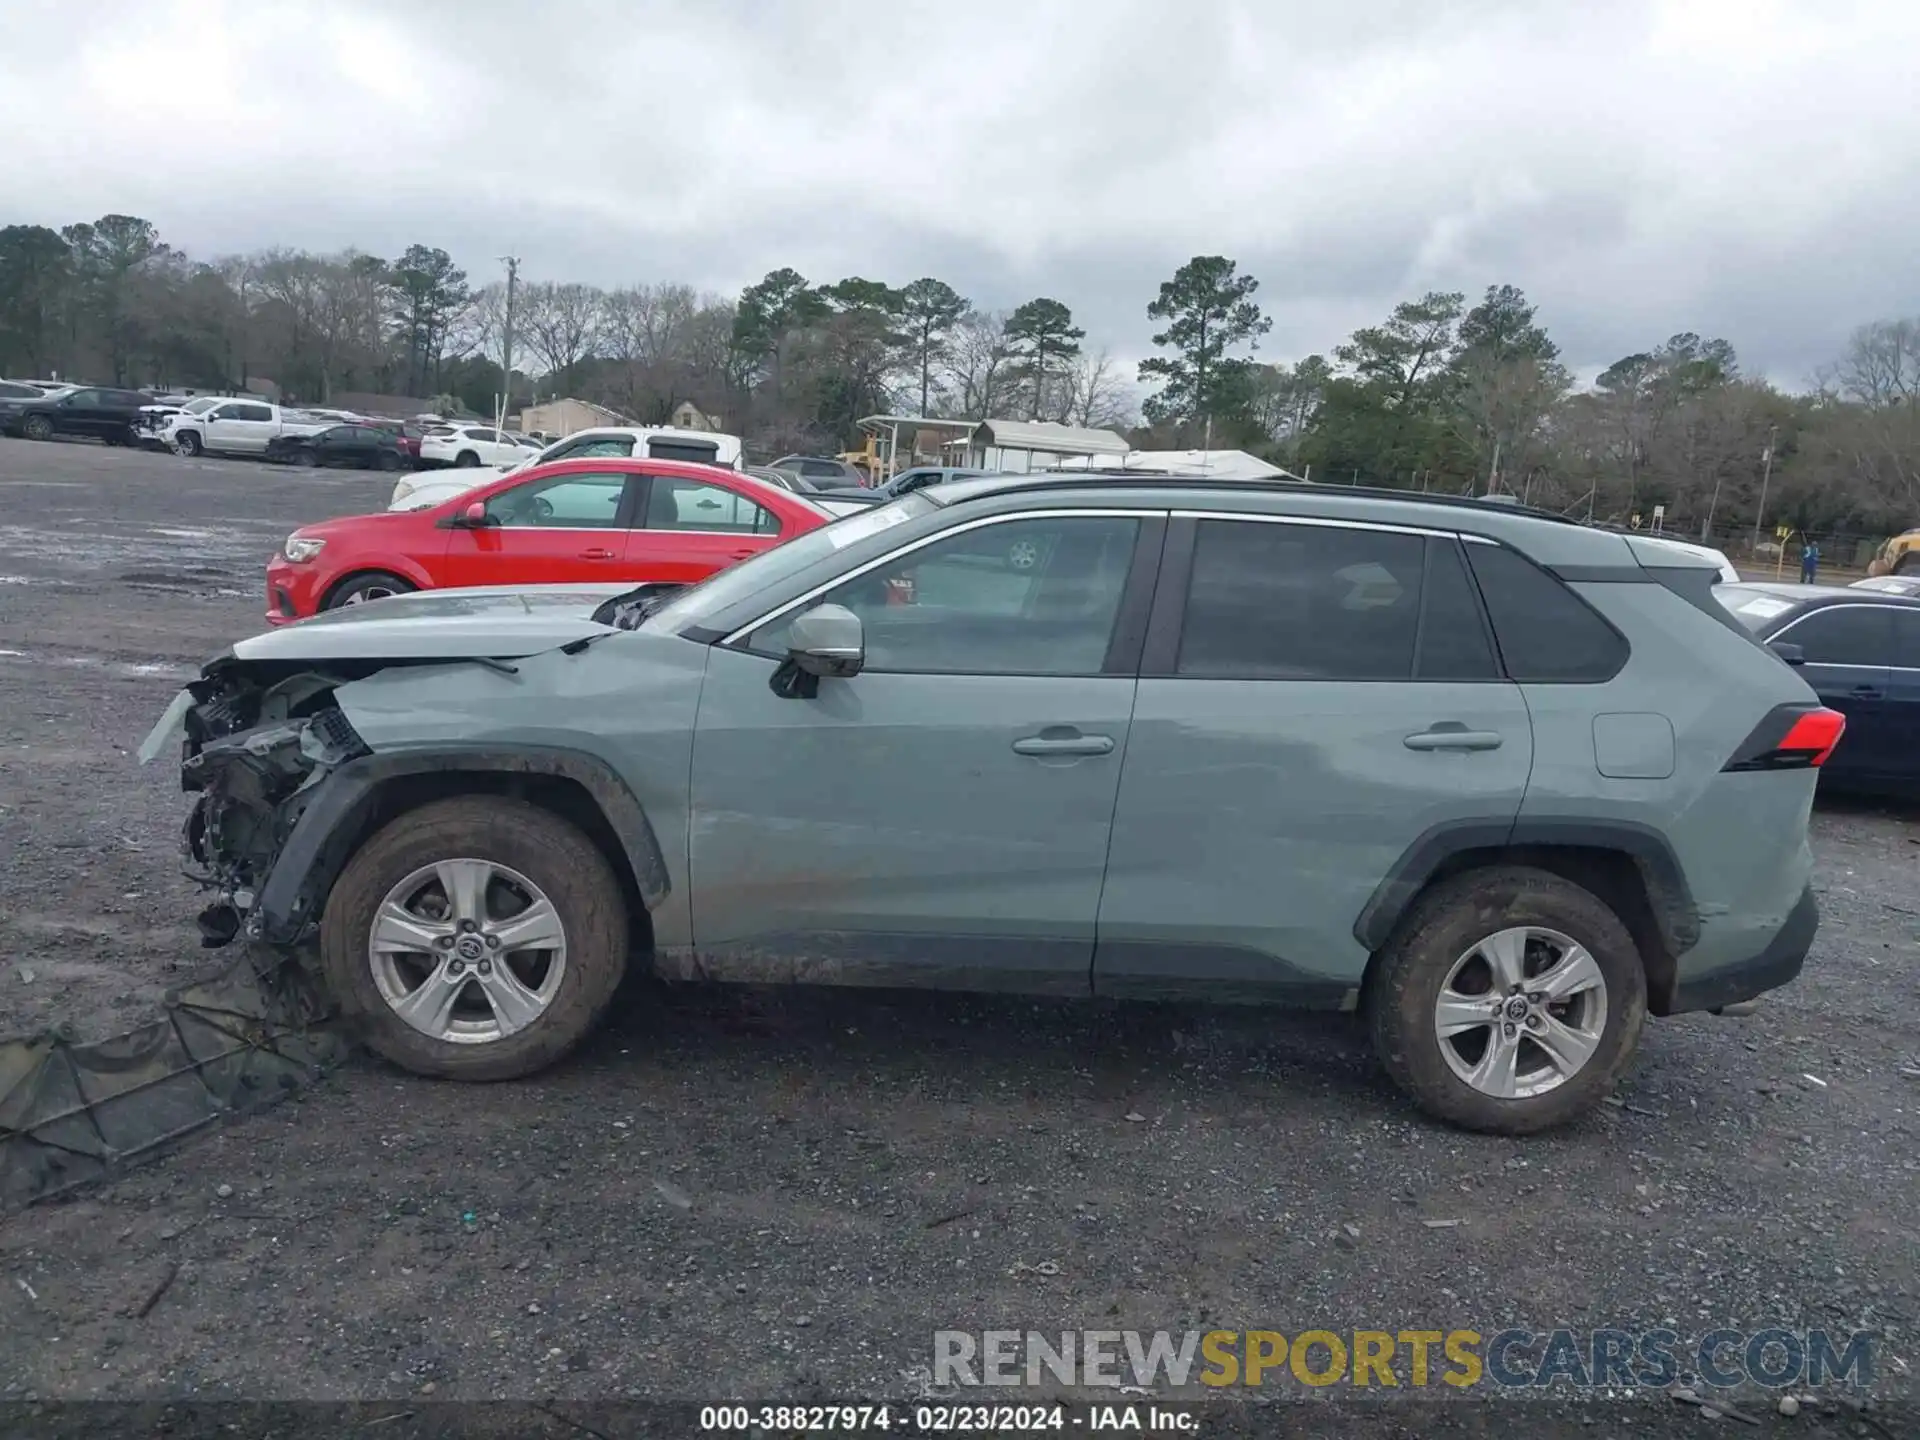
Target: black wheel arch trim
(1667, 891)
(321, 840)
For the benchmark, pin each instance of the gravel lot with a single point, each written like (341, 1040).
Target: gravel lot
(781, 1196)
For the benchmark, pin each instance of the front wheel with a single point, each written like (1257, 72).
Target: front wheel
(478, 938)
(307, 459)
(1509, 1001)
(466, 460)
(373, 585)
(187, 445)
(37, 427)
(1905, 563)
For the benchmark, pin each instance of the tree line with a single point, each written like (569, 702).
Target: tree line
(1441, 395)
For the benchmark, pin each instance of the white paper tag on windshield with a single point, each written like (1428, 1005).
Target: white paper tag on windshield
(858, 527)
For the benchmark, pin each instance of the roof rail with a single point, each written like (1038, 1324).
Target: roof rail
(1134, 479)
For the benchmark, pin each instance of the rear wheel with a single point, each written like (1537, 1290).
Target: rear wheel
(1510, 1000)
(386, 460)
(37, 427)
(466, 459)
(1905, 563)
(371, 585)
(479, 938)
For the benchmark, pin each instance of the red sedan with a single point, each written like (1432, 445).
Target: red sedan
(572, 522)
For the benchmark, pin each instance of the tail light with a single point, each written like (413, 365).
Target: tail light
(1792, 737)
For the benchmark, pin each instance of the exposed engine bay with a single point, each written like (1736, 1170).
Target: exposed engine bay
(253, 744)
(258, 735)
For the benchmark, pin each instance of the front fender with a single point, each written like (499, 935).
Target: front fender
(338, 809)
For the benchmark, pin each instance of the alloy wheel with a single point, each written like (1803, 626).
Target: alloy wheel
(1521, 1012)
(467, 951)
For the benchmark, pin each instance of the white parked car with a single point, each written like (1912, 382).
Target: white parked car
(651, 442)
(468, 446)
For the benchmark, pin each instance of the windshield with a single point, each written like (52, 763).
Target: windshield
(730, 586)
(1751, 606)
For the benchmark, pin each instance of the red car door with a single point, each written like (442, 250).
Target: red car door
(555, 529)
(691, 528)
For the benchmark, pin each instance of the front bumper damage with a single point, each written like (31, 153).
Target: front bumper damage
(256, 741)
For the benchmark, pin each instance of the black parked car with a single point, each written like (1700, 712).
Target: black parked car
(1860, 651)
(93, 411)
(365, 447)
(824, 473)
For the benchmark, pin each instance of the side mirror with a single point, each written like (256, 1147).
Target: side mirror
(825, 643)
(1788, 651)
(475, 515)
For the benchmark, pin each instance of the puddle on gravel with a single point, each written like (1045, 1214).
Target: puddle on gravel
(127, 669)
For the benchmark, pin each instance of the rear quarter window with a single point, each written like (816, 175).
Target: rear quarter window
(1546, 633)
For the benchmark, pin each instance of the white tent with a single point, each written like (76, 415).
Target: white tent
(1213, 464)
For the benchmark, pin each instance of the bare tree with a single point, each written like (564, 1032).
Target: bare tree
(562, 325)
(646, 330)
(981, 371)
(1092, 392)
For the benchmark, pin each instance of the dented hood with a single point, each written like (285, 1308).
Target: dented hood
(441, 624)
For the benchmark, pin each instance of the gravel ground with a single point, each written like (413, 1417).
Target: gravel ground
(781, 1196)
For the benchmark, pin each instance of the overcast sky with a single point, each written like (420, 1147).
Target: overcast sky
(1742, 168)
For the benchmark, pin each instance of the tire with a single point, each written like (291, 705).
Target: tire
(367, 585)
(535, 846)
(1446, 926)
(466, 460)
(306, 459)
(385, 461)
(186, 443)
(1905, 563)
(37, 427)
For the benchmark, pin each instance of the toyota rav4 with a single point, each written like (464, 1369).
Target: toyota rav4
(1503, 784)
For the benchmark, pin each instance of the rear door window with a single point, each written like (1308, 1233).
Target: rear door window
(1906, 639)
(1546, 633)
(677, 504)
(1301, 602)
(1859, 635)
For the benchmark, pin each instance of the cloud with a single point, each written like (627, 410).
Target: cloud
(1740, 169)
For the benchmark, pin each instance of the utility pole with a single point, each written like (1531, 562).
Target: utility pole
(512, 262)
(1766, 476)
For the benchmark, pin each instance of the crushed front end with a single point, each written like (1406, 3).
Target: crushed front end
(257, 738)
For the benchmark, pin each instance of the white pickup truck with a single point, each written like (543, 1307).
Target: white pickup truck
(236, 427)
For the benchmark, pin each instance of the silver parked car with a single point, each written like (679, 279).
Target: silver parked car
(1502, 783)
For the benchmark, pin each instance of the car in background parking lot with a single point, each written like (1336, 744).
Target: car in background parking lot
(467, 446)
(652, 442)
(1889, 584)
(1860, 651)
(361, 446)
(824, 471)
(575, 522)
(91, 412)
(920, 476)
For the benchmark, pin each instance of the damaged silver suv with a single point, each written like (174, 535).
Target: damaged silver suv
(1504, 784)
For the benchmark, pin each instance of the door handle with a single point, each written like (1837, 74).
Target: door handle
(746, 553)
(597, 554)
(1865, 692)
(1063, 740)
(1453, 737)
